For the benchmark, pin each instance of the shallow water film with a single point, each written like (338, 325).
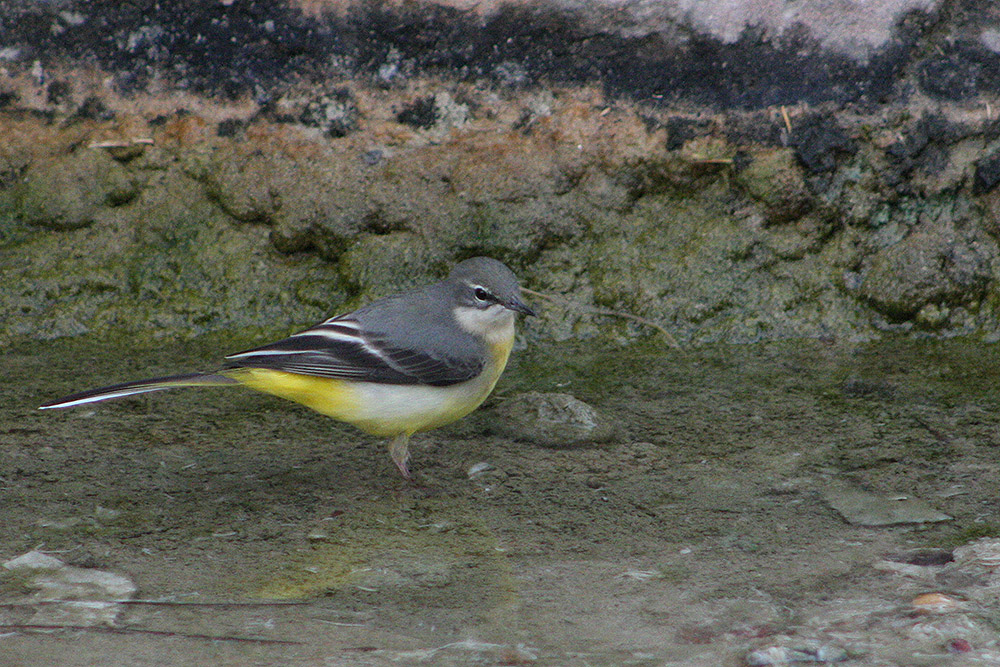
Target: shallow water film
(796, 501)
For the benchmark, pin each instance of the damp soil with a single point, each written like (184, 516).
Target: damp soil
(697, 533)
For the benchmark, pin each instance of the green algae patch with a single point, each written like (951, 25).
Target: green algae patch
(185, 271)
(712, 239)
(422, 549)
(69, 192)
(383, 263)
(775, 179)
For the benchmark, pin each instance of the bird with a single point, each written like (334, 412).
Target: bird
(400, 365)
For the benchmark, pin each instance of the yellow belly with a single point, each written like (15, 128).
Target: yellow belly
(334, 398)
(381, 409)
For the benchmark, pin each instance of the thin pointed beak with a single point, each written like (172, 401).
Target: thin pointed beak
(519, 306)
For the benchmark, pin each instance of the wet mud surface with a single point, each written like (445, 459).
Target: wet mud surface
(700, 532)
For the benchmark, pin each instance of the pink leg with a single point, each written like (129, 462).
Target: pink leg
(398, 450)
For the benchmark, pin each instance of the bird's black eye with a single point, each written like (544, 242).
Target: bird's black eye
(483, 295)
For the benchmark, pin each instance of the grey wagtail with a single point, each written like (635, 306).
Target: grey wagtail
(403, 364)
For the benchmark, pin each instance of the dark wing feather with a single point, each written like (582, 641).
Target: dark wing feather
(437, 369)
(339, 349)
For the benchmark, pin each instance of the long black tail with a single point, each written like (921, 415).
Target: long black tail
(139, 387)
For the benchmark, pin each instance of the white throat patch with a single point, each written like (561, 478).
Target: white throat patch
(495, 324)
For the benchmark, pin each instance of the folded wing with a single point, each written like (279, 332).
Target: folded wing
(340, 349)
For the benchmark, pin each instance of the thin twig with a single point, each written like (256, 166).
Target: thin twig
(122, 143)
(605, 311)
(222, 603)
(140, 631)
(165, 603)
(939, 435)
(340, 623)
(697, 159)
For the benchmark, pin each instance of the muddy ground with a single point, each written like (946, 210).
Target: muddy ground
(697, 535)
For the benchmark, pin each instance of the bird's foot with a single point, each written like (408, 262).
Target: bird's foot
(399, 451)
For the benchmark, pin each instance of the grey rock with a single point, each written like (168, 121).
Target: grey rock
(552, 420)
(927, 268)
(88, 596)
(783, 655)
(862, 508)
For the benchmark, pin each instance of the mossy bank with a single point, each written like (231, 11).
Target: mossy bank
(171, 193)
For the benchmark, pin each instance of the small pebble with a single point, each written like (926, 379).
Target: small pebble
(936, 603)
(106, 514)
(923, 557)
(516, 655)
(477, 469)
(372, 157)
(958, 646)
(783, 655)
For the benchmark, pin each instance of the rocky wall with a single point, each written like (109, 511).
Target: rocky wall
(729, 171)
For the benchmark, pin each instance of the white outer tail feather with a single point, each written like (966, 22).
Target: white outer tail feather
(137, 387)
